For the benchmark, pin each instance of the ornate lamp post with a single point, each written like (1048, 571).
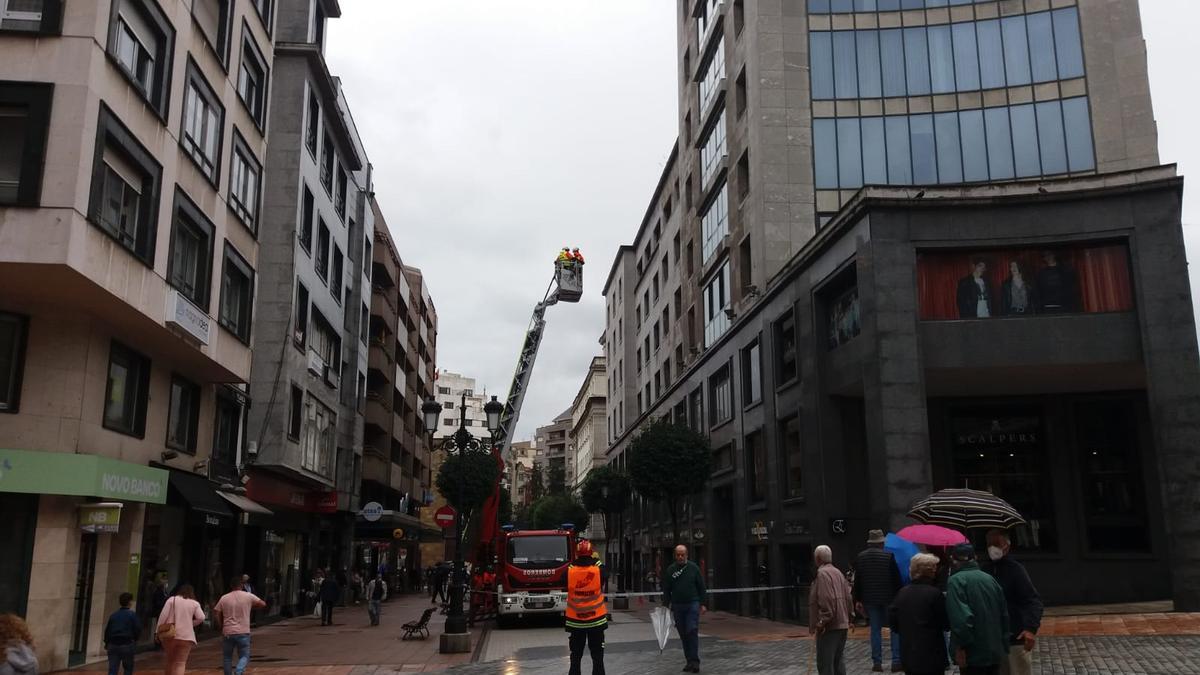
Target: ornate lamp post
(455, 638)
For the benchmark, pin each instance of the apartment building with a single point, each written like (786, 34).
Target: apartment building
(554, 450)
(134, 136)
(587, 436)
(519, 470)
(924, 245)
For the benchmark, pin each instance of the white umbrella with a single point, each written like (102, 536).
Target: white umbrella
(663, 621)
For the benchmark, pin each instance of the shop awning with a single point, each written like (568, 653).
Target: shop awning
(244, 504)
(66, 473)
(199, 493)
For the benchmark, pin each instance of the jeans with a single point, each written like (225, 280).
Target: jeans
(687, 623)
(879, 618)
(831, 652)
(120, 655)
(594, 639)
(242, 643)
(373, 611)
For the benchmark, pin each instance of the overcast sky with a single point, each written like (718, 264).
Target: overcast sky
(501, 131)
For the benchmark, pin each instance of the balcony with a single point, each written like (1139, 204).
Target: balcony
(379, 359)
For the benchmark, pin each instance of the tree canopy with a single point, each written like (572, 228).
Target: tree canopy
(537, 484)
(593, 491)
(556, 479)
(668, 462)
(551, 511)
(466, 479)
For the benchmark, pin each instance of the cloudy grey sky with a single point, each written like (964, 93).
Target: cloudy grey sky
(501, 131)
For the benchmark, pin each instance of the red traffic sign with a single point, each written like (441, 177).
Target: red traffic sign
(444, 516)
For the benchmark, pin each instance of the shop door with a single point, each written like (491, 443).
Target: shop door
(797, 574)
(760, 601)
(85, 577)
(723, 573)
(17, 529)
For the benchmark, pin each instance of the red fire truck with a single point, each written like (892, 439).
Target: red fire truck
(531, 576)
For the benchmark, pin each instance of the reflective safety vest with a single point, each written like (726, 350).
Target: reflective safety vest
(585, 600)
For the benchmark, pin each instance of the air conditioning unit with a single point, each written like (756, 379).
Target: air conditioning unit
(316, 365)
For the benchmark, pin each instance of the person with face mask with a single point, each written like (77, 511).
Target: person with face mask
(978, 615)
(1024, 604)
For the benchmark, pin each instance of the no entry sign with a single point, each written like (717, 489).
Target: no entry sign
(444, 517)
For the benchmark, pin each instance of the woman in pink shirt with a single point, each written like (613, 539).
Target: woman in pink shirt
(183, 611)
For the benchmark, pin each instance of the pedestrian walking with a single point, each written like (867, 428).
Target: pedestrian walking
(121, 634)
(177, 628)
(1022, 601)
(876, 582)
(586, 615)
(918, 615)
(328, 594)
(376, 593)
(17, 656)
(356, 586)
(232, 611)
(158, 595)
(441, 576)
(830, 604)
(978, 615)
(684, 592)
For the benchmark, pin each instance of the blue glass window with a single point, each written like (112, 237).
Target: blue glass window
(874, 152)
(821, 62)
(864, 5)
(991, 54)
(999, 144)
(845, 71)
(888, 5)
(941, 59)
(1041, 47)
(899, 157)
(841, 5)
(1050, 137)
(869, 85)
(1016, 50)
(949, 153)
(916, 62)
(924, 156)
(974, 145)
(1067, 44)
(1025, 141)
(1079, 134)
(818, 6)
(891, 48)
(912, 4)
(849, 153)
(825, 153)
(966, 58)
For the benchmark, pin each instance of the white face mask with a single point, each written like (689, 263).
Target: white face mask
(995, 552)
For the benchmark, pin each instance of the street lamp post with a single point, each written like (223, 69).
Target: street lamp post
(455, 638)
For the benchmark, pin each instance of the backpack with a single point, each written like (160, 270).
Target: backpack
(377, 590)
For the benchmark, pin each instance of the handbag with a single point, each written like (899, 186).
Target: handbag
(166, 631)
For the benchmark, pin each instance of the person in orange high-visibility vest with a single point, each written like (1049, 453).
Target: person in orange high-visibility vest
(587, 616)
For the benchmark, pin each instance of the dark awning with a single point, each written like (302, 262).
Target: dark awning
(198, 493)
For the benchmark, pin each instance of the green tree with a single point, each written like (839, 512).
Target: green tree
(606, 491)
(551, 511)
(667, 463)
(466, 480)
(537, 484)
(556, 479)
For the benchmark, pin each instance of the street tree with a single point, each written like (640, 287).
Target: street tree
(551, 511)
(537, 483)
(667, 463)
(467, 479)
(556, 479)
(606, 491)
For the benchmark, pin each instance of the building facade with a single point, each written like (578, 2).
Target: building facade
(519, 468)
(554, 454)
(134, 137)
(786, 112)
(588, 438)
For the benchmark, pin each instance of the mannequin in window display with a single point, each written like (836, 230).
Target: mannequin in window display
(1016, 293)
(975, 293)
(1058, 287)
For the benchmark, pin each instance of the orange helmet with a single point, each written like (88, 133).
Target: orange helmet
(583, 548)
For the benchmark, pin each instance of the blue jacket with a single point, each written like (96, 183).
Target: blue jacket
(123, 628)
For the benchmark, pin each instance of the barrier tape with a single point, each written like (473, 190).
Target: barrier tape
(647, 594)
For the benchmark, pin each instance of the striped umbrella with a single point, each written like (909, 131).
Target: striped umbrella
(966, 509)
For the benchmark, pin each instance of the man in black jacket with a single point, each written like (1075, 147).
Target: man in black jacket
(1024, 604)
(919, 614)
(876, 582)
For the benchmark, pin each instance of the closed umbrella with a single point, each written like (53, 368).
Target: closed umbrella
(662, 621)
(903, 551)
(966, 509)
(932, 535)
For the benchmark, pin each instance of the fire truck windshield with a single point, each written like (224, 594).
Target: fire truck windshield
(541, 551)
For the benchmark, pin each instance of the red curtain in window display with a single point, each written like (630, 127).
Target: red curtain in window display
(1016, 282)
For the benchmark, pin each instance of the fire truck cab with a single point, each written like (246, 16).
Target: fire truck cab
(532, 575)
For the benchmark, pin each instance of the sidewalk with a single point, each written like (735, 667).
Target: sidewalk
(301, 646)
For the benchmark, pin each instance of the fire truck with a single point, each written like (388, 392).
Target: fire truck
(531, 575)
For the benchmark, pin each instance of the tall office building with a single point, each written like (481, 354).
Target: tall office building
(988, 311)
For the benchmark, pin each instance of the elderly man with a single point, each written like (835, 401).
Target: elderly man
(919, 614)
(829, 608)
(683, 592)
(876, 582)
(1024, 604)
(978, 615)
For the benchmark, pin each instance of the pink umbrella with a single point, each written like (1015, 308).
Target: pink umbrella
(932, 535)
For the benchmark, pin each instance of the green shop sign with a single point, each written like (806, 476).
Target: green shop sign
(62, 473)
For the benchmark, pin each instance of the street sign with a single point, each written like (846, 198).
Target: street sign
(444, 516)
(371, 511)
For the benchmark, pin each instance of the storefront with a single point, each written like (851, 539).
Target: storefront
(389, 542)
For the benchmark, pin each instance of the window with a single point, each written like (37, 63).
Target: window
(127, 391)
(716, 302)
(212, 16)
(306, 219)
(784, 336)
(756, 468)
(335, 275)
(367, 259)
(739, 16)
(124, 190)
(713, 150)
(752, 373)
(203, 121)
(252, 79)
(714, 75)
(319, 24)
(237, 294)
(300, 329)
(696, 410)
(1111, 479)
(793, 460)
(14, 333)
(190, 268)
(317, 442)
(339, 201)
(24, 122)
(364, 323)
(327, 153)
(141, 41)
(31, 16)
(313, 124)
(325, 343)
(714, 224)
(263, 8)
(227, 430)
(722, 458)
(295, 413)
(245, 182)
(720, 397)
(322, 259)
(183, 415)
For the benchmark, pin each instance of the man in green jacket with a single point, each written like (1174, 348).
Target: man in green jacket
(978, 615)
(683, 592)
